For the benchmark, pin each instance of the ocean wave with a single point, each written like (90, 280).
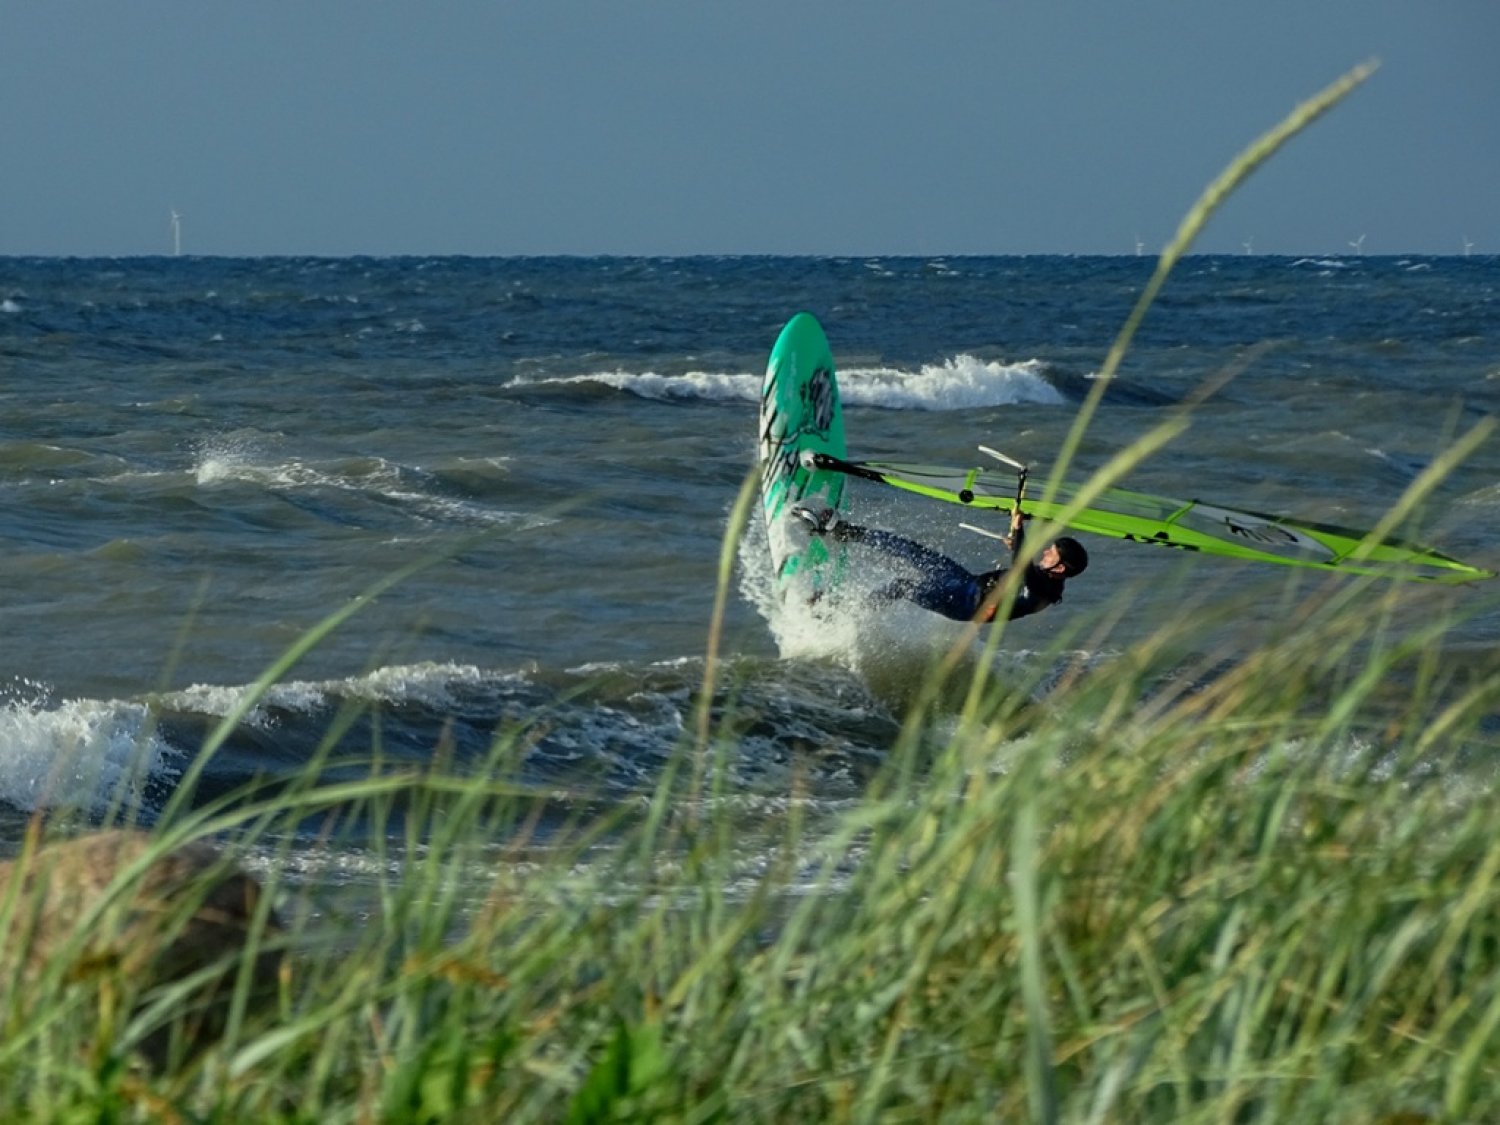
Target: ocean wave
(692, 385)
(596, 731)
(28, 457)
(431, 684)
(960, 383)
(1323, 263)
(963, 382)
(241, 459)
(84, 754)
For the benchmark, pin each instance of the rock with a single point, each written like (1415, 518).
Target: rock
(79, 920)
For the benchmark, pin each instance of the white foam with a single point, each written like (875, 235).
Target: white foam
(430, 683)
(708, 386)
(843, 628)
(499, 461)
(244, 458)
(226, 457)
(83, 754)
(961, 383)
(9, 306)
(238, 458)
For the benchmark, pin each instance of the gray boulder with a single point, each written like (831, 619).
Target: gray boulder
(95, 913)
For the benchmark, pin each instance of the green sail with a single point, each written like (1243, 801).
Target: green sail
(1188, 525)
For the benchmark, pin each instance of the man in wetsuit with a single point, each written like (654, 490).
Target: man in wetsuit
(943, 586)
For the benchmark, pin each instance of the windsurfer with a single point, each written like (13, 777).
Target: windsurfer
(944, 586)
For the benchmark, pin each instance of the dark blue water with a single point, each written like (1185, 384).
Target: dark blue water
(201, 458)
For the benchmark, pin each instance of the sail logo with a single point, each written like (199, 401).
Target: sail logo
(1268, 534)
(818, 395)
(780, 444)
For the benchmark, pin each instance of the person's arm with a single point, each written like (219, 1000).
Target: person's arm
(1017, 532)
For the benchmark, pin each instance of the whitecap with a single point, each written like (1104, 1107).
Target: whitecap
(697, 385)
(1322, 263)
(428, 683)
(86, 754)
(240, 458)
(961, 383)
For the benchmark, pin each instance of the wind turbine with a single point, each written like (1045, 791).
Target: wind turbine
(1139, 246)
(176, 234)
(1249, 245)
(1358, 245)
(1468, 246)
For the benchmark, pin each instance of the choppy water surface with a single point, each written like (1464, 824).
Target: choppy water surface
(201, 458)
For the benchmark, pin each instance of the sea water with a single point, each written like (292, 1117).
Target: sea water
(202, 458)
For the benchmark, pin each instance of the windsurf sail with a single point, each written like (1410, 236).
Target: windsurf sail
(1187, 525)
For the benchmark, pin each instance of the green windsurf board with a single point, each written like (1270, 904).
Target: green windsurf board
(800, 416)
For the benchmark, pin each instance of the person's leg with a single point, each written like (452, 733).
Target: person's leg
(922, 557)
(940, 584)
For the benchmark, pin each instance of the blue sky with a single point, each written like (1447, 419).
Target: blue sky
(720, 126)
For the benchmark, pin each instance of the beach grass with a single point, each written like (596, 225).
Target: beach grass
(1268, 893)
(1256, 884)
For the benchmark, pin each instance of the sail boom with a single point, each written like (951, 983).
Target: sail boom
(1189, 525)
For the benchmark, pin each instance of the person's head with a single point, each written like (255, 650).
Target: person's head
(1065, 558)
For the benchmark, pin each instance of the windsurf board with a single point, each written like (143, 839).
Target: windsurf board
(800, 414)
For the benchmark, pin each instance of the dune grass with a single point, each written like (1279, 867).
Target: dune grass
(1266, 893)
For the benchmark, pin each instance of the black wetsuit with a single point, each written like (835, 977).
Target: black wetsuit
(943, 586)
